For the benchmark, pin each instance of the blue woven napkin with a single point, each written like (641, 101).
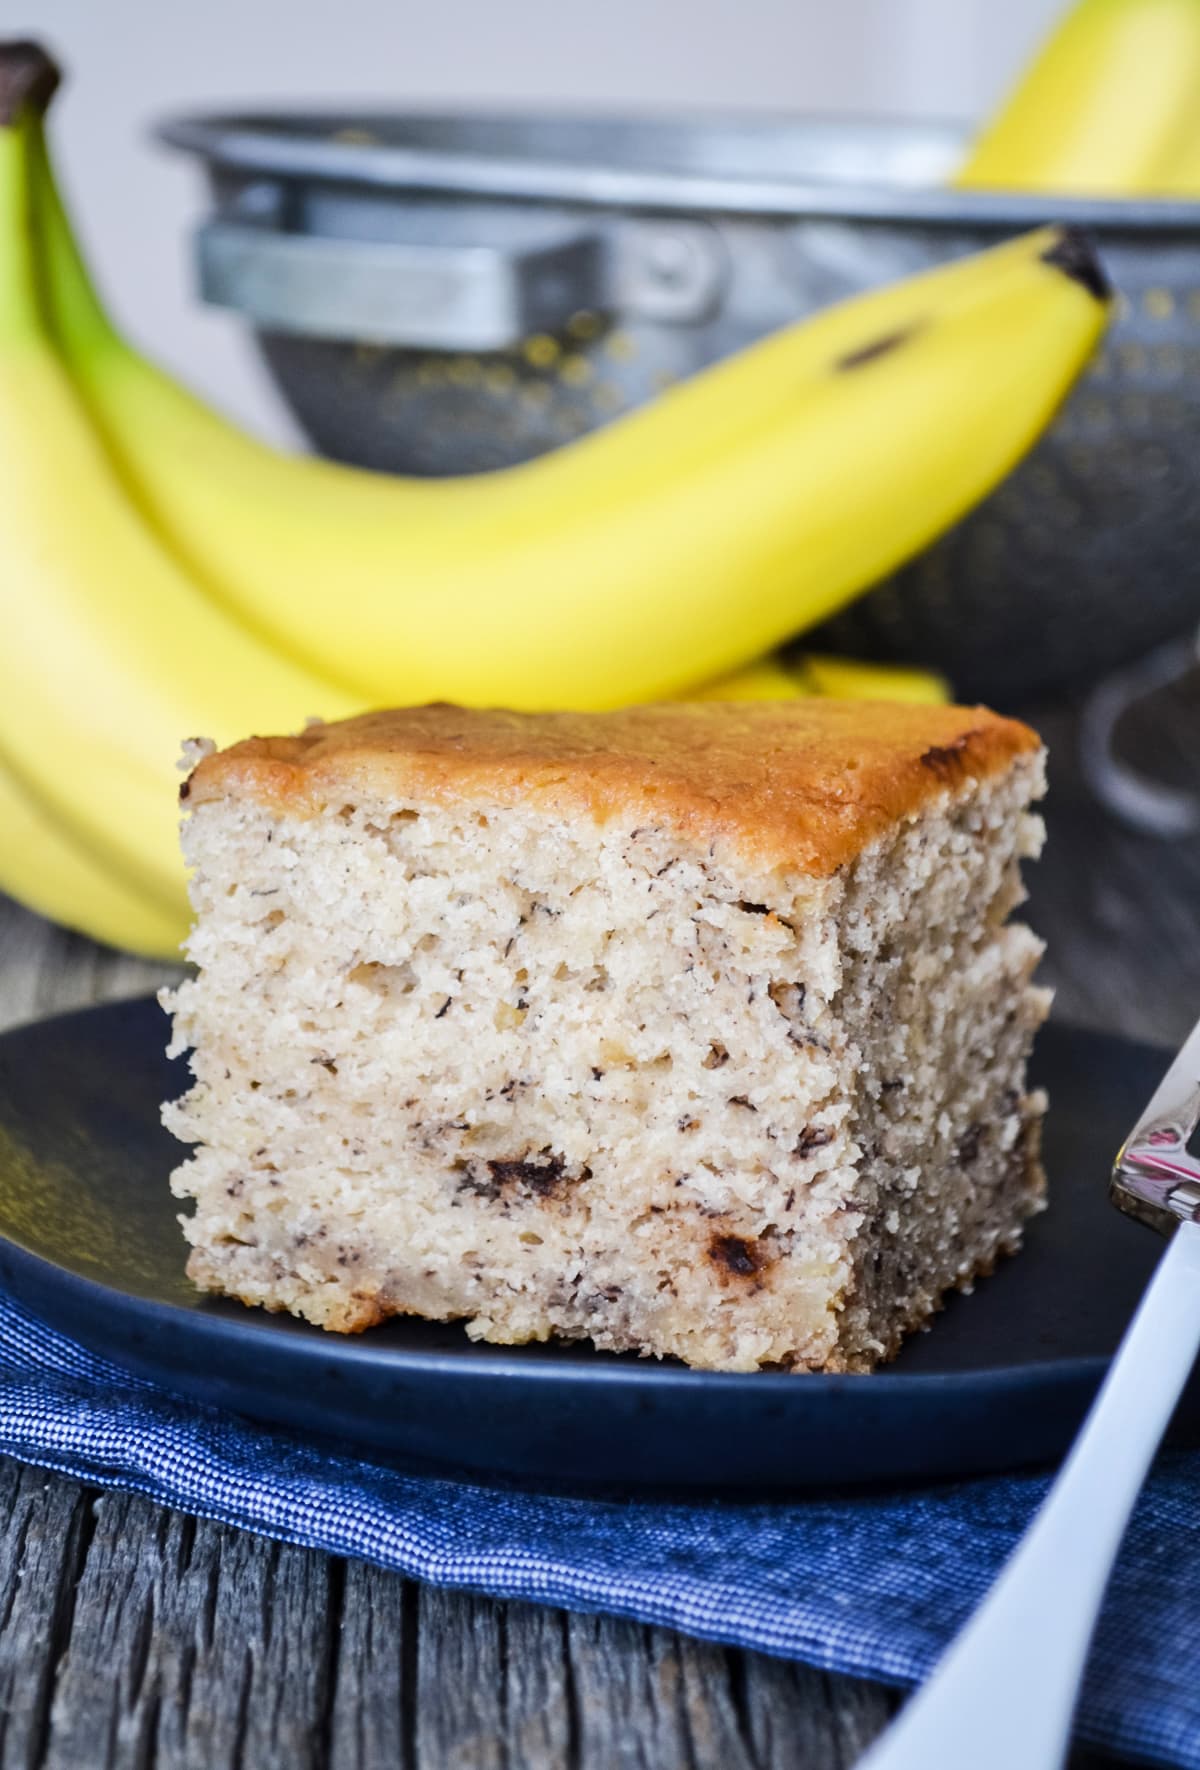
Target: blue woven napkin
(868, 1584)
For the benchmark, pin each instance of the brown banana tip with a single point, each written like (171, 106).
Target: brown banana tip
(29, 77)
(1074, 254)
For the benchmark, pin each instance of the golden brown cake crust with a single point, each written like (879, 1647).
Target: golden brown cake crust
(805, 784)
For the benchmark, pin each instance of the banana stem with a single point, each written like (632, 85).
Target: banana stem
(73, 305)
(20, 308)
(28, 79)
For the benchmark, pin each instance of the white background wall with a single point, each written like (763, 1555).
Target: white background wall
(131, 61)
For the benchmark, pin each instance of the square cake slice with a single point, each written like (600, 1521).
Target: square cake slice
(697, 1030)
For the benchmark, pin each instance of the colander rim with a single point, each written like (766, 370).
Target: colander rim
(283, 144)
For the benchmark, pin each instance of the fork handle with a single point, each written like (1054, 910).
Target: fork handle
(1004, 1692)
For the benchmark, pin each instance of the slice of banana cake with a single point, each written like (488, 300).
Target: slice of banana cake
(698, 1030)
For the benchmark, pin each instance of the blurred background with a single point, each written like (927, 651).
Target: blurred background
(137, 204)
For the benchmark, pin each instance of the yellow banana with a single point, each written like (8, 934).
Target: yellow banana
(1109, 100)
(236, 479)
(1177, 174)
(770, 679)
(665, 550)
(846, 679)
(843, 679)
(110, 652)
(45, 868)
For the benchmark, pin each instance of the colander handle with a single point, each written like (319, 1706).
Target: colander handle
(464, 297)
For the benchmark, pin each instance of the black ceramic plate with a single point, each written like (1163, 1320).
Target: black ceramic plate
(89, 1242)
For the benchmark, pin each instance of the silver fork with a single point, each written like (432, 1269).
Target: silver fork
(1002, 1696)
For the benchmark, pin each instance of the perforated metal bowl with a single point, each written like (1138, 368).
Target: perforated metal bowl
(443, 294)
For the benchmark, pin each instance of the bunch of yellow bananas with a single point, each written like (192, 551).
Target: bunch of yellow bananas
(164, 575)
(1109, 106)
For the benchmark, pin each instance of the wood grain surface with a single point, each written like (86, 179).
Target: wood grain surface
(132, 1637)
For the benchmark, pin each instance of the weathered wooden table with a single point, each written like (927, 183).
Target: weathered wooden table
(132, 1637)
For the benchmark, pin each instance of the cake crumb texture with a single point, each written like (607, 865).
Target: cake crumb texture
(691, 1031)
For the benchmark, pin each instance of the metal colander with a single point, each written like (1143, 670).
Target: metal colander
(440, 294)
